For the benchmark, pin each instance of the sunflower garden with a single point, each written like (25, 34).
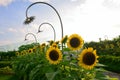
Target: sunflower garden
(51, 62)
(65, 59)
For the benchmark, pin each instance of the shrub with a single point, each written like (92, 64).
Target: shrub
(111, 62)
(6, 70)
(5, 63)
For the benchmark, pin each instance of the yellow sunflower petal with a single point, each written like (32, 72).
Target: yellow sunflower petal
(90, 49)
(87, 58)
(75, 42)
(54, 55)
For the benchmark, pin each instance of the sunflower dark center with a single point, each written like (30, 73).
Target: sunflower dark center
(54, 55)
(89, 58)
(30, 51)
(75, 42)
(22, 53)
(34, 50)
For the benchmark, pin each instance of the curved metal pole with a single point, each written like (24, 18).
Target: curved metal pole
(30, 34)
(50, 25)
(30, 19)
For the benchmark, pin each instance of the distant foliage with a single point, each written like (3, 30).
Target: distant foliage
(7, 55)
(27, 46)
(106, 47)
(109, 52)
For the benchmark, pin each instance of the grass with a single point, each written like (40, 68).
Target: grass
(5, 77)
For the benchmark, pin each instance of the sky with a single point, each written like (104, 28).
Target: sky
(91, 19)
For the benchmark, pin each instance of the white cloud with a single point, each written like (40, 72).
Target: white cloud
(74, 0)
(39, 0)
(5, 2)
(5, 42)
(92, 21)
(18, 30)
(112, 3)
(12, 30)
(1, 32)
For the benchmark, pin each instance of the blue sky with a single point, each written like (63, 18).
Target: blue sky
(92, 19)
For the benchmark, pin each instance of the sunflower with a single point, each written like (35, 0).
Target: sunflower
(30, 51)
(54, 45)
(51, 42)
(54, 55)
(43, 45)
(57, 42)
(17, 53)
(75, 42)
(88, 58)
(34, 49)
(22, 53)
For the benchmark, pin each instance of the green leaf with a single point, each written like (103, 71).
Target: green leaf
(34, 72)
(50, 76)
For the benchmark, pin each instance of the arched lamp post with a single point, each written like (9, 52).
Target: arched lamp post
(50, 25)
(32, 35)
(30, 19)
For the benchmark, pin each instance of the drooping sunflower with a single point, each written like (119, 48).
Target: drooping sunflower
(75, 42)
(87, 58)
(54, 55)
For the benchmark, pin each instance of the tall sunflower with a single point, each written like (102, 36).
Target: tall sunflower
(54, 55)
(88, 58)
(75, 42)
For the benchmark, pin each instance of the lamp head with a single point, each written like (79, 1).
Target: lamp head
(25, 39)
(39, 31)
(29, 20)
